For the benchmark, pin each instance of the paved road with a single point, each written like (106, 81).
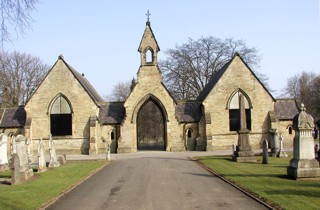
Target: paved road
(154, 180)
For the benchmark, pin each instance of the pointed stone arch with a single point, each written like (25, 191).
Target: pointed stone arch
(60, 113)
(142, 101)
(233, 106)
(151, 124)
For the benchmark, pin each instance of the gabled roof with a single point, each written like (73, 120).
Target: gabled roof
(81, 79)
(148, 27)
(189, 111)
(12, 117)
(216, 77)
(85, 84)
(111, 113)
(285, 109)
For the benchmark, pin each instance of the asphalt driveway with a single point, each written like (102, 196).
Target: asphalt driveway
(154, 180)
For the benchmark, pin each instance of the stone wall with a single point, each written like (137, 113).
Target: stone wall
(236, 77)
(60, 80)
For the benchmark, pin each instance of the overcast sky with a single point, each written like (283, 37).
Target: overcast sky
(100, 38)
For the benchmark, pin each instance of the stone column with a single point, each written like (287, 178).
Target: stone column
(244, 152)
(303, 165)
(265, 153)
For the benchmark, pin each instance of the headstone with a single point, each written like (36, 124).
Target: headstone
(3, 153)
(28, 150)
(281, 152)
(25, 171)
(234, 149)
(243, 152)
(274, 142)
(303, 165)
(15, 167)
(108, 153)
(62, 159)
(265, 153)
(42, 166)
(53, 156)
(13, 145)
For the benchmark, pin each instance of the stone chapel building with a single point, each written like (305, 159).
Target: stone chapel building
(67, 106)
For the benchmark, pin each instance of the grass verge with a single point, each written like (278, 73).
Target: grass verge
(268, 182)
(46, 185)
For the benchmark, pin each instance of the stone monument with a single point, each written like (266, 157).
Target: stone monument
(244, 152)
(303, 165)
(281, 152)
(25, 171)
(41, 158)
(274, 142)
(265, 153)
(15, 167)
(53, 156)
(3, 153)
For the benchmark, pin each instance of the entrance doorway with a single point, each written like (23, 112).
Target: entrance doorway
(151, 127)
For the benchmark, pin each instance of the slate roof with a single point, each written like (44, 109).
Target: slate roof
(85, 84)
(216, 77)
(12, 117)
(111, 113)
(81, 79)
(189, 111)
(213, 81)
(285, 109)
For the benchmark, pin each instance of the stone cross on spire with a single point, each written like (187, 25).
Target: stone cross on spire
(148, 15)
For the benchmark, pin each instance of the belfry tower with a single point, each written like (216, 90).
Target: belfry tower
(150, 109)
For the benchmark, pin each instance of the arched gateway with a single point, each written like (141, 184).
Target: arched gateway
(151, 127)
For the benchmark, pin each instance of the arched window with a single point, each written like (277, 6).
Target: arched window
(61, 117)
(149, 56)
(290, 129)
(234, 111)
(189, 133)
(112, 135)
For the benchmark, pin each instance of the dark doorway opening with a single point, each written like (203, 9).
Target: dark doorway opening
(151, 127)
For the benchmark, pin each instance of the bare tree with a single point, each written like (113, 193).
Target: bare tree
(119, 92)
(189, 67)
(20, 74)
(15, 14)
(305, 88)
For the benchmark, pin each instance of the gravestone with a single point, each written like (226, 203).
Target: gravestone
(234, 149)
(62, 159)
(13, 146)
(53, 156)
(274, 142)
(28, 150)
(243, 152)
(15, 167)
(3, 152)
(281, 152)
(25, 171)
(303, 165)
(265, 153)
(42, 166)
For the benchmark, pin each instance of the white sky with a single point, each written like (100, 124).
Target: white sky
(100, 38)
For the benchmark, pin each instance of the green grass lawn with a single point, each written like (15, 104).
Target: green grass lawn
(45, 186)
(268, 182)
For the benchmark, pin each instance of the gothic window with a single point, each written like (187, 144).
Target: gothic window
(290, 129)
(234, 112)
(189, 133)
(112, 135)
(149, 56)
(61, 117)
